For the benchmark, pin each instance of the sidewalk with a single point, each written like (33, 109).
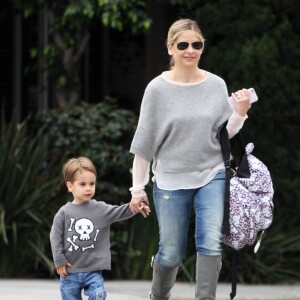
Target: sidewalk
(138, 290)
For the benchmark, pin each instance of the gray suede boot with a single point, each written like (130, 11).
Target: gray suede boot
(162, 281)
(207, 275)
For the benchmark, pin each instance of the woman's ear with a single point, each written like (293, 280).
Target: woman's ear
(170, 48)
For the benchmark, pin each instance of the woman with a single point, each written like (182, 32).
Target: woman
(181, 113)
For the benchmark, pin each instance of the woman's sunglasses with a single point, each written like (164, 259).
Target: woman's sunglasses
(185, 45)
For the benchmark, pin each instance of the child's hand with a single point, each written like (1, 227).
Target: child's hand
(140, 205)
(144, 209)
(62, 270)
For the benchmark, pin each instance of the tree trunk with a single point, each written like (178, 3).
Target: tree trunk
(67, 92)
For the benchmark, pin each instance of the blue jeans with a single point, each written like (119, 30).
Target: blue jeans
(173, 210)
(72, 285)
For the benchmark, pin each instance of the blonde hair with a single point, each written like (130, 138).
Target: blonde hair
(177, 28)
(77, 164)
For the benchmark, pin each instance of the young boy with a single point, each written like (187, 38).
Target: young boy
(80, 233)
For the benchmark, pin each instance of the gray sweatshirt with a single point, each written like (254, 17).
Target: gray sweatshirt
(178, 125)
(80, 234)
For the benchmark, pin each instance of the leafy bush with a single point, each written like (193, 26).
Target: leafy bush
(102, 132)
(27, 185)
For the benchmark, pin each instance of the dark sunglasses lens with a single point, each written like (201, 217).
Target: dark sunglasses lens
(197, 45)
(182, 45)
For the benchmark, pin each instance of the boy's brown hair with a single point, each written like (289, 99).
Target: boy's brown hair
(77, 164)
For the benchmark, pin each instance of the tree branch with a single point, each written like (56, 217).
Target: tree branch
(57, 37)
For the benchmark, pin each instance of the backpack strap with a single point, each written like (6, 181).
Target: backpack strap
(225, 147)
(243, 165)
(234, 264)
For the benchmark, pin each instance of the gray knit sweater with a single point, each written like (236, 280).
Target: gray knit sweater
(178, 124)
(80, 234)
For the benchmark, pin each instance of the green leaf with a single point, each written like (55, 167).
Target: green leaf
(62, 80)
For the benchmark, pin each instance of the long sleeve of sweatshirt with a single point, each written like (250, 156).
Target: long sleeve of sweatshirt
(80, 234)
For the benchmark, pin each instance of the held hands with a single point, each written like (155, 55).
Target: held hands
(62, 270)
(241, 100)
(140, 204)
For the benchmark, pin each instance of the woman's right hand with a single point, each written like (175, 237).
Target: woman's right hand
(140, 205)
(241, 101)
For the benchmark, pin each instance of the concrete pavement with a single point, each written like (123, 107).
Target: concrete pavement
(40, 289)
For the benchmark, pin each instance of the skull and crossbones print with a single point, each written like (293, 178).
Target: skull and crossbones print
(83, 229)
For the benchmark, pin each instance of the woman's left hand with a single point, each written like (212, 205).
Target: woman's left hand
(241, 101)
